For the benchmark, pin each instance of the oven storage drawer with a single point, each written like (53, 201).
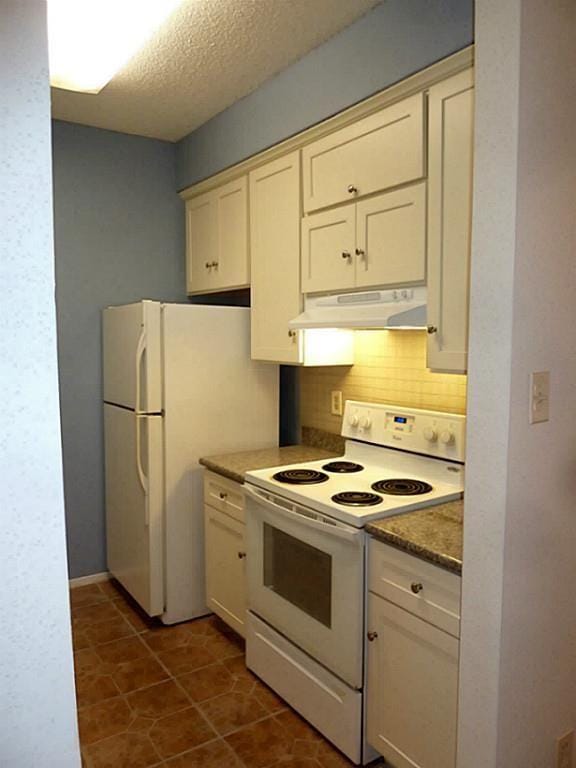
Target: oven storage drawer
(426, 590)
(320, 697)
(224, 495)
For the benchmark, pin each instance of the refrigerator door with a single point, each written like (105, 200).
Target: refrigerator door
(134, 504)
(132, 363)
(216, 400)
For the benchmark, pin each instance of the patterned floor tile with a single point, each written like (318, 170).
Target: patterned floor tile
(216, 754)
(126, 750)
(180, 732)
(185, 659)
(158, 700)
(208, 682)
(261, 744)
(231, 711)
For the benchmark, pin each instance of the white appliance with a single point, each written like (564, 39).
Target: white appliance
(306, 564)
(178, 384)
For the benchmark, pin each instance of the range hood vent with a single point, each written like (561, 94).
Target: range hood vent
(399, 309)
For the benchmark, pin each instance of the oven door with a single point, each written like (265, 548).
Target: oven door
(306, 579)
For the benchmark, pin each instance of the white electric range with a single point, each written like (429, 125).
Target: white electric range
(306, 565)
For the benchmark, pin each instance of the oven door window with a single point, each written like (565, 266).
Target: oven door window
(299, 573)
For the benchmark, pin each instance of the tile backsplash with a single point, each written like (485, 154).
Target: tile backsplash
(389, 367)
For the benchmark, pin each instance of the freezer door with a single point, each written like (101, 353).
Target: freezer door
(134, 504)
(132, 356)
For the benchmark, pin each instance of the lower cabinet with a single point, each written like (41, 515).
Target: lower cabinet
(412, 675)
(225, 560)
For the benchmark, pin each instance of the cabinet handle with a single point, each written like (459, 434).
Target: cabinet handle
(241, 555)
(372, 636)
(214, 264)
(346, 255)
(416, 587)
(207, 265)
(352, 189)
(360, 252)
(431, 329)
(223, 495)
(292, 334)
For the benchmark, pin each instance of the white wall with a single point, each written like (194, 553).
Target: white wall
(518, 666)
(37, 702)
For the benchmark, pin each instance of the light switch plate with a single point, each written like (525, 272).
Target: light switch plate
(539, 396)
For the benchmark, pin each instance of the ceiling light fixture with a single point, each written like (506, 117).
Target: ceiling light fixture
(90, 40)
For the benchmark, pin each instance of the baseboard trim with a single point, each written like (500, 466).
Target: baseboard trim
(93, 578)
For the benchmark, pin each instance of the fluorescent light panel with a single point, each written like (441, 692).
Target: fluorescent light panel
(90, 40)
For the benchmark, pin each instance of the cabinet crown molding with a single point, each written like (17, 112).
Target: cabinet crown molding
(420, 81)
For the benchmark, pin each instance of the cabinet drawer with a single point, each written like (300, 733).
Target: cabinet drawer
(225, 495)
(425, 590)
(381, 151)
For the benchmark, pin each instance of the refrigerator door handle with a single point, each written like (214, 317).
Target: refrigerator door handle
(140, 349)
(141, 476)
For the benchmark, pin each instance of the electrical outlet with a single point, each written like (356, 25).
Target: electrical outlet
(564, 750)
(539, 396)
(336, 402)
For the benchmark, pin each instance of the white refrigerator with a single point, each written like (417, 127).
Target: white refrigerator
(178, 384)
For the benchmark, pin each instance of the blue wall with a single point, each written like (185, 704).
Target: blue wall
(396, 39)
(119, 232)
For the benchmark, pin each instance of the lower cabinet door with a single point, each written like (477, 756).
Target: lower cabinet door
(225, 571)
(412, 688)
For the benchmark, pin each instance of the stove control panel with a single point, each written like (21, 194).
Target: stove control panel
(432, 433)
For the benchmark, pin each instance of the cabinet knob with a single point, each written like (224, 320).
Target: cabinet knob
(241, 555)
(346, 255)
(416, 587)
(292, 334)
(372, 636)
(207, 265)
(360, 252)
(431, 329)
(352, 189)
(214, 264)
(223, 495)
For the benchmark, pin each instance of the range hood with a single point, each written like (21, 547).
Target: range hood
(400, 309)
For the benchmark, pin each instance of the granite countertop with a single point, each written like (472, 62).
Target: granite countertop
(432, 533)
(234, 465)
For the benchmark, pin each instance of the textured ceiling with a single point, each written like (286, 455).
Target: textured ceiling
(206, 56)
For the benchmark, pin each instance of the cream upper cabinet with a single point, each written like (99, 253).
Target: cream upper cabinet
(328, 250)
(217, 239)
(376, 242)
(450, 163)
(380, 151)
(201, 243)
(391, 238)
(276, 298)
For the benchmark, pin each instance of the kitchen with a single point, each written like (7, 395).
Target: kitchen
(476, 477)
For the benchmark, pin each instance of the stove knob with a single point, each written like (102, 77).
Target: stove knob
(447, 437)
(353, 419)
(365, 422)
(430, 434)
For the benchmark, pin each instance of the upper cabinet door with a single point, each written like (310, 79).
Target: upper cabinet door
(201, 243)
(450, 164)
(275, 259)
(217, 239)
(391, 238)
(328, 250)
(231, 269)
(381, 151)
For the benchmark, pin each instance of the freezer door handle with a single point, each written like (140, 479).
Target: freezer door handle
(141, 476)
(140, 349)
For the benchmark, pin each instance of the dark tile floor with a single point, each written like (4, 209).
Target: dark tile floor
(179, 697)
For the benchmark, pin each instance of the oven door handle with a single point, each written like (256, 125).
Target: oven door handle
(353, 535)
